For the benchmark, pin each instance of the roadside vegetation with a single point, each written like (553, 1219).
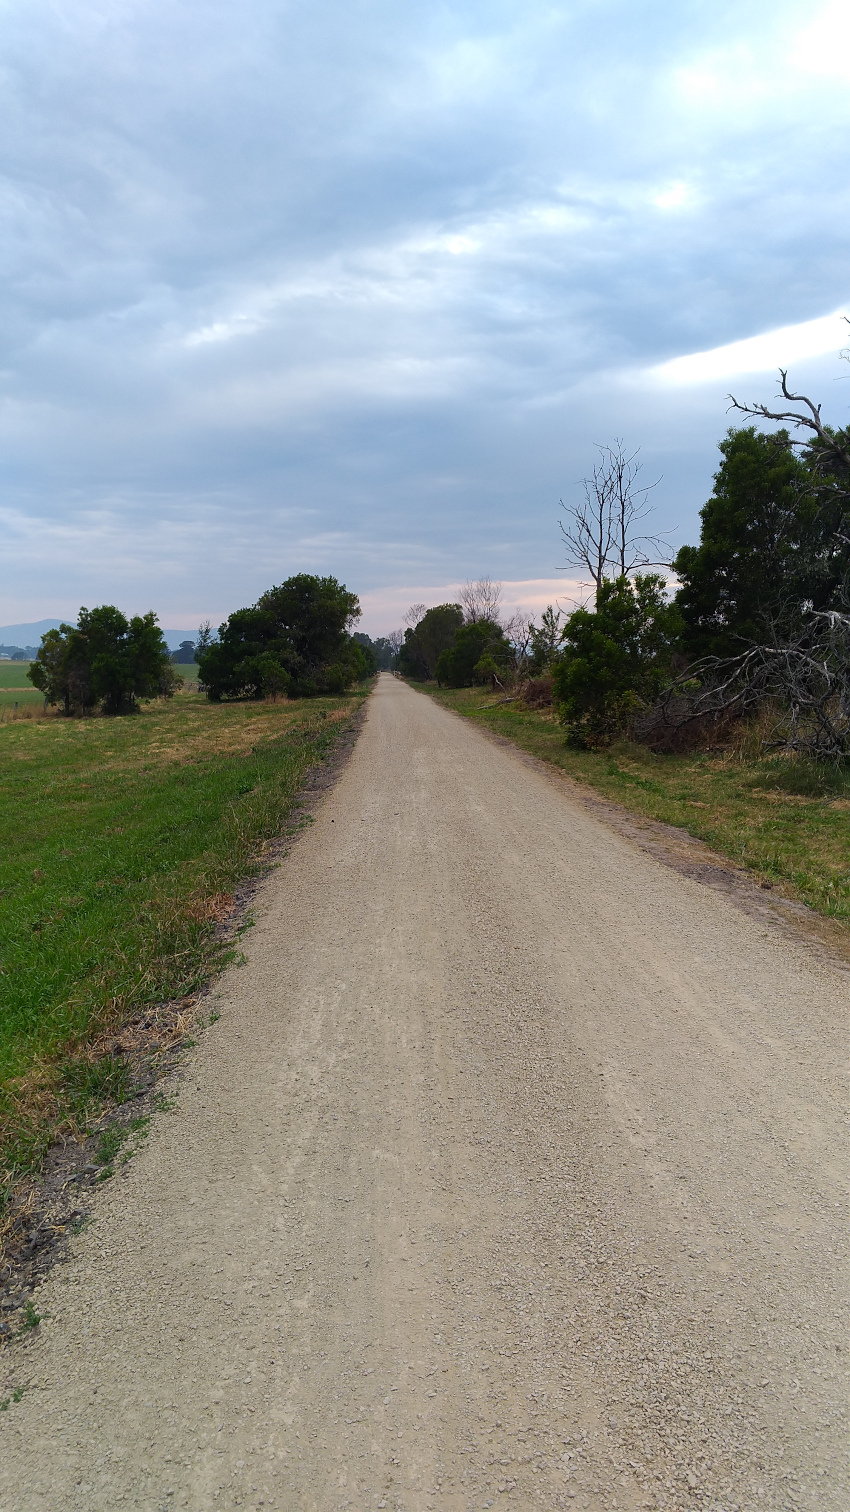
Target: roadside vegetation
(714, 696)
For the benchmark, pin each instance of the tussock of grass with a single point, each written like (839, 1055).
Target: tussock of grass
(121, 844)
(785, 819)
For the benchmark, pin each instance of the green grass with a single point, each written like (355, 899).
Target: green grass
(786, 820)
(14, 674)
(121, 841)
(16, 688)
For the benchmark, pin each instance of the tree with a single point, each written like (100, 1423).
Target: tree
(369, 650)
(828, 449)
(616, 658)
(456, 665)
(545, 641)
(206, 636)
(185, 653)
(480, 600)
(385, 650)
(434, 633)
(600, 531)
(104, 659)
(766, 548)
(825, 453)
(294, 639)
(60, 669)
(487, 670)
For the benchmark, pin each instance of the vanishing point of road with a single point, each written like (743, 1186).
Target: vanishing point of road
(513, 1174)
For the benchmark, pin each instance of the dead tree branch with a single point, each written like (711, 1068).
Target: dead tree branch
(600, 532)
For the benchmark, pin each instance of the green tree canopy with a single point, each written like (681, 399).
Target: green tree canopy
(104, 659)
(424, 644)
(373, 652)
(615, 658)
(769, 542)
(544, 641)
(294, 639)
(483, 641)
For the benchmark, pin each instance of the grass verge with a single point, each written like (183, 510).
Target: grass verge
(121, 844)
(786, 820)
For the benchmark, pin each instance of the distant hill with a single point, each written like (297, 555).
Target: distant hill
(29, 636)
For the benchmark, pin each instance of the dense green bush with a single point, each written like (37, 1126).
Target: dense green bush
(616, 658)
(105, 659)
(773, 538)
(424, 644)
(481, 644)
(295, 640)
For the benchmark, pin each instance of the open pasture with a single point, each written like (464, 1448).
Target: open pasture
(15, 686)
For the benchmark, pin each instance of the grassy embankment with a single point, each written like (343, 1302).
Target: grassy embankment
(786, 820)
(121, 841)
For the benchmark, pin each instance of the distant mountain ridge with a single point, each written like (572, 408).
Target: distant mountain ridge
(30, 635)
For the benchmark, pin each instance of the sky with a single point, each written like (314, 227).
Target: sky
(356, 287)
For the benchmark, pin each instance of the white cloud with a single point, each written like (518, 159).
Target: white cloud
(823, 47)
(672, 198)
(756, 354)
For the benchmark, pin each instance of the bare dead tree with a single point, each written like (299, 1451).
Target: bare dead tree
(588, 531)
(517, 630)
(395, 640)
(834, 449)
(414, 615)
(601, 531)
(480, 600)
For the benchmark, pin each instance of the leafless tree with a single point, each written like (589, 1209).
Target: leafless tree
(480, 600)
(414, 615)
(601, 532)
(395, 640)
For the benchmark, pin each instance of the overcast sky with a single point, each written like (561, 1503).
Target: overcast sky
(353, 287)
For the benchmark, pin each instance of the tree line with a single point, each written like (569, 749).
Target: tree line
(296, 642)
(760, 618)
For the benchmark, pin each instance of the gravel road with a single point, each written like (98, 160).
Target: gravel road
(511, 1175)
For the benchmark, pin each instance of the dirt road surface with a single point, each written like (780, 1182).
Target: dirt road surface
(511, 1175)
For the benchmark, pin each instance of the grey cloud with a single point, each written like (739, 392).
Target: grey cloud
(351, 287)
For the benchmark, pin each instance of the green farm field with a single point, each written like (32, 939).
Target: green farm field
(121, 842)
(15, 687)
(786, 820)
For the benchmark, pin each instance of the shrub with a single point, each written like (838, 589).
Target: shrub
(539, 692)
(456, 666)
(615, 659)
